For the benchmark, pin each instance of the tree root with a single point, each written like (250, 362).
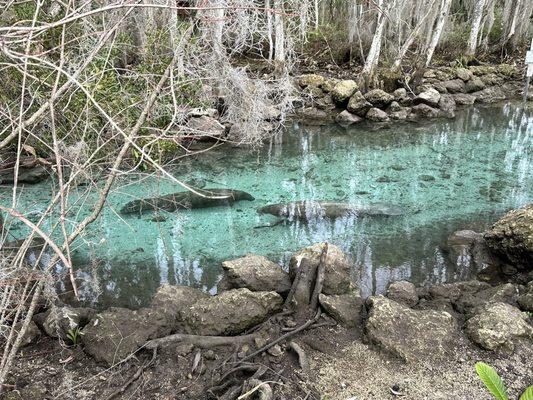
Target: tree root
(302, 357)
(200, 341)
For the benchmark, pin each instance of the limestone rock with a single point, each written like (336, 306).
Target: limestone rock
(474, 85)
(464, 99)
(512, 237)
(452, 291)
(256, 273)
(343, 90)
(379, 98)
(230, 312)
(172, 299)
(464, 74)
(313, 116)
(337, 269)
(497, 326)
(468, 249)
(423, 111)
(329, 84)
(491, 79)
(346, 309)
(412, 335)
(467, 303)
(447, 105)
(114, 334)
(430, 97)
(454, 86)
(346, 118)
(491, 94)
(205, 126)
(33, 333)
(311, 80)
(358, 104)
(400, 115)
(58, 321)
(377, 115)
(403, 292)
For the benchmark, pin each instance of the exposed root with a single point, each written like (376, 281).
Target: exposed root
(200, 341)
(302, 357)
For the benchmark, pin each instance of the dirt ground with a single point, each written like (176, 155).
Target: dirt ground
(342, 367)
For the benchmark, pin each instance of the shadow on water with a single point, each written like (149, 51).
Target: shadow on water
(445, 175)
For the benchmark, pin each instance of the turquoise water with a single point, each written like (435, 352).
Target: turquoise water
(446, 175)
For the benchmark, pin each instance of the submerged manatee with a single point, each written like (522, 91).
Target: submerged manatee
(187, 200)
(307, 210)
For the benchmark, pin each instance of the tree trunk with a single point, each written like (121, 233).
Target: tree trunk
(476, 24)
(279, 34)
(445, 8)
(375, 48)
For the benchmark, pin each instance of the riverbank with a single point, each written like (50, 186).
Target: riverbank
(415, 341)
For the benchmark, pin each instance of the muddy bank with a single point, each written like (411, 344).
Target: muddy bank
(302, 333)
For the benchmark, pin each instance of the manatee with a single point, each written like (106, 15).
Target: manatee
(306, 210)
(187, 200)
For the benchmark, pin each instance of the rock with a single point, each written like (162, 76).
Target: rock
(256, 273)
(311, 80)
(313, 116)
(201, 112)
(358, 104)
(512, 237)
(412, 335)
(114, 334)
(447, 105)
(423, 111)
(205, 126)
(403, 292)
(510, 71)
(58, 321)
(343, 90)
(489, 95)
(346, 309)
(329, 84)
(272, 113)
(172, 299)
(445, 74)
(497, 326)
(230, 312)
(33, 333)
(464, 99)
(379, 98)
(474, 85)
(468, 249)
(325, 103)
(440, 87)
(32, 391)
(346, 118)
(430, 97)
(399, 94)
(337, 269)
(454, 86)
(31, 175)
(525, 300)
(452, 291)
(479, 70)
(464, 74)
(469, 302)
(400, 115)
(395, 106)
(491, 80)
(377, 115)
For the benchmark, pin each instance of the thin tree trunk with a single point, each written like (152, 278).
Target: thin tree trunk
(476, 24)
(279, 32)
(269, 30)
(375, 48)
(445, 8)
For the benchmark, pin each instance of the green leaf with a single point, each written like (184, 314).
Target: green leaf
(528, 394)
(492, 381)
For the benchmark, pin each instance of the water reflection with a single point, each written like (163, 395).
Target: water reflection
(446, 175)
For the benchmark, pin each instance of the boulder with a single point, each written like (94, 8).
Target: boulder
(346, 118)
(343, 90)
(464, 74)
(400, 95)
(256, 273)
(394, 106)
(31, 174)
(377, 115)
(467, 303)
(497, 326)
(33, 333)
(412, 335)
(423, 111)
(58, 321)
(525, 300)
(400, 115)
(205, 126)
(492, 79)
(310, 80)
(489, 95)
(430, 97)
(452, 291)
(440, 87)
(379, 98)
(325, 103)
(454, 86)
(231, 312)
(171, 300)
(464, 99)
(358, 104)
(337, 269)
(445, 73)
(329, 84)
(474, 85)
(116, 333)
(313, 116)
(346, 309)
(403, 292)
(447, 105)
(479, 70)
(512, 237)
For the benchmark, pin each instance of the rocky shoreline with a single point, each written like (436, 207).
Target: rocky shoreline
(259, 304)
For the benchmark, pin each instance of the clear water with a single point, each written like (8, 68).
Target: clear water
(446, 175)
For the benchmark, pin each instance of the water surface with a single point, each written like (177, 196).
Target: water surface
(446, 175)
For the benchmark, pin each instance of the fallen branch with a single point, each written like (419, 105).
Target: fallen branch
(200, 341)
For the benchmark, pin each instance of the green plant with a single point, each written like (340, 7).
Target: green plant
(74, 335)
(495, 385)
